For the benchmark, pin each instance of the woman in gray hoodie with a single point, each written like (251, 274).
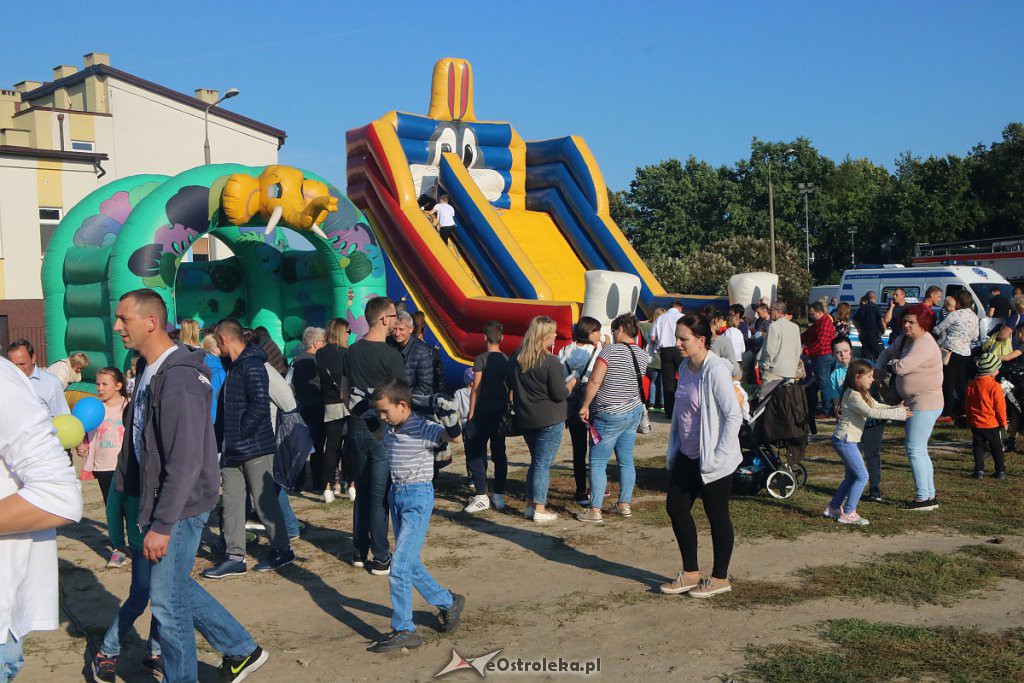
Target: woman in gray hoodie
(703, 453)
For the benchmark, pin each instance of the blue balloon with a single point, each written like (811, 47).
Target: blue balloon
(90, 411)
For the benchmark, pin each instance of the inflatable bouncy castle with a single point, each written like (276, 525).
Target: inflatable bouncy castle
(136, 231)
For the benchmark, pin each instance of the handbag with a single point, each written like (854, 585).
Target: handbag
(508, 425)
(644, 426)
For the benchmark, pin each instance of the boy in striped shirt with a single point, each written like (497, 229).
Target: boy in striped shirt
(410, 441)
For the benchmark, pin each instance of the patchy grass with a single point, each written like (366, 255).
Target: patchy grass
(908, 578)
(866, 651)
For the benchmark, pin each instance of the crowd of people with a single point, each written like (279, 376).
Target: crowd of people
(218, 418)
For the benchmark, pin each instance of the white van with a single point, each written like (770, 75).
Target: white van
(916, 280)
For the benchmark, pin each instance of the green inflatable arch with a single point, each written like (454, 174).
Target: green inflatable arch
(134, 232)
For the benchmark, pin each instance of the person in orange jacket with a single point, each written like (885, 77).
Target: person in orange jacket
(985, 405)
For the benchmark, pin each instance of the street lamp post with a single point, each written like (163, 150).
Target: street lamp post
(806, 189)
(206, 122)
(853, 256)
(771, 205)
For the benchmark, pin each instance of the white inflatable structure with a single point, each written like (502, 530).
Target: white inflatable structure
(749, 289)
(608, 295)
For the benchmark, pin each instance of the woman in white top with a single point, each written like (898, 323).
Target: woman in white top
(578, 361)
(703, 453)
(69, 370)
(956, 333)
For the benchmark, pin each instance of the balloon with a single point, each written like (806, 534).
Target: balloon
(70, 431)
(90, 412)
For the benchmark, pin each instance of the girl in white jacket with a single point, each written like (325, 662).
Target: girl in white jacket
(703, 454)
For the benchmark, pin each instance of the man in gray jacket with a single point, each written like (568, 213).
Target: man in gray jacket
(172, 454)
(780, 355)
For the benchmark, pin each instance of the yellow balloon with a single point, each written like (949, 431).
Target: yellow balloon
(70, 432)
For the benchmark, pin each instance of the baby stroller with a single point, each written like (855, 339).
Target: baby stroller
(765, 464)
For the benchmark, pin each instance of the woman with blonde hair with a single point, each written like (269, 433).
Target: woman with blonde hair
(189, 334)
(69, 370)
(539, 393)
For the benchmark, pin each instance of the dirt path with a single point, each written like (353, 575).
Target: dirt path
(565, 589)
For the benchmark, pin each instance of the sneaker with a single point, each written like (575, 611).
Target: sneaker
(590, 515)
(852, 518)
(328, 496)
(396, 641)
(226, 568)
(498, 501)
(831, 513)
(872, 498)
(155, 664)
(623, 509)
(921, 505)
(1011, 445)
(352, 492)
(255, 526)
(543, 517)
(582, 498)
(999, 475)
(528, 513)
(978, 474)
(478, 504)
(358, 561)
(378, 568)
(680, 585)
(276, 560)
(104, 668)
(450, 617)
(117, 559)
(339, 490)
(709, 587)
(234, 669)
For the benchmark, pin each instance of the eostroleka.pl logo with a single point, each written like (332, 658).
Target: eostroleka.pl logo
(491, 663)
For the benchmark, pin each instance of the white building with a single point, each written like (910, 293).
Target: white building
(62, 139)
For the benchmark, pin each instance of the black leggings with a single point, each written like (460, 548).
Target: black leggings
(987, 440)
(484, 432)
(334, 452)
(684, 489)
(105, 479)
(954, 384)
(580, 438)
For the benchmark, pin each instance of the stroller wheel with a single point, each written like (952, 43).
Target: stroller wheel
(781, 484)
(800, 474)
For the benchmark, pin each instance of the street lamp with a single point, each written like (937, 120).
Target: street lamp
(206, 121)
(806, 189)
(853, 233)
(771, 204)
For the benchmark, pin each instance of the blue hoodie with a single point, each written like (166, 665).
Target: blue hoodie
(217, 376)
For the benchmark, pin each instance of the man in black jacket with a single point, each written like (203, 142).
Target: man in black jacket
(869, 324)
(169, 455)
(247, 453)
(420, 370)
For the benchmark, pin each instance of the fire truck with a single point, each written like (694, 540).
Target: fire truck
(1005, 255)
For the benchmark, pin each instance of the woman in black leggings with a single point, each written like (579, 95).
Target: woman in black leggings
(328, 362)
(578, 359)
(704, 452)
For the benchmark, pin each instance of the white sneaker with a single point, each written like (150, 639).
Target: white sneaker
(255, 526)
(328, 496)
(477, 504)
(352, 492)
(542, 517)
(498, 500)
(338, 489)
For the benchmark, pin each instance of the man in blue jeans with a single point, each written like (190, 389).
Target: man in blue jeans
(172, 453)
(368, 364)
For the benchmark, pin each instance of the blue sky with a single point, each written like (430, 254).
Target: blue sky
(641, 82)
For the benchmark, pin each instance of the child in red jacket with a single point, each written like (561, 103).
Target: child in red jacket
(985, 405)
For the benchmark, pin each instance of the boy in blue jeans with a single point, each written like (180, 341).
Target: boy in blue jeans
(410, 441)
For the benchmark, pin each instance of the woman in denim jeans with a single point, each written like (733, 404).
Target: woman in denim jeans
(613, 405)
(539, 393)
(916, 361)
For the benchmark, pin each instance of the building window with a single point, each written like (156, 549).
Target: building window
(49, 218)
(82, 146)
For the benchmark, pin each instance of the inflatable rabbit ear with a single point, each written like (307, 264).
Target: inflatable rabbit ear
(240, 198)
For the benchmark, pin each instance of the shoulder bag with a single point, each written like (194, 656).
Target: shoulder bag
(644, 427)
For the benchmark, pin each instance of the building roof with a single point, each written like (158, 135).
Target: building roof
(63, 155)
(188, 100)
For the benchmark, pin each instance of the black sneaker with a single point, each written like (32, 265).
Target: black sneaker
(396, 641)
(358, 561)
(999, 475)
(224, 569)
(978, 474)
(872, 498)
(378, 568)
(155, 664)
(276, 560)
(104, 668)
(235, 669)
(450, 617)
(921, 505)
